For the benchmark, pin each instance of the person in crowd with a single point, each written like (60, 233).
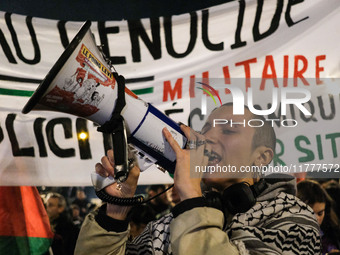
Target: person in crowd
(75, 211)
(247, 214)
(172, 199)
(172, 196)
(65, 232)
(160, 205)
(82, 201)
(333, 189)
(140, 216)
(312, 193)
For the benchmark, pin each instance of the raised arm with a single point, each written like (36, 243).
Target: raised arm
(197, 228)
(105, 231)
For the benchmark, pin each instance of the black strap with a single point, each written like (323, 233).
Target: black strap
(115, 123)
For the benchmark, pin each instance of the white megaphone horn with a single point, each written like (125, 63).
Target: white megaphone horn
(83, 84)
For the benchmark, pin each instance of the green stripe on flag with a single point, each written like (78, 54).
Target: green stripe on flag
(143, 91)
(24, 245)
(27, 93)
(15, 92)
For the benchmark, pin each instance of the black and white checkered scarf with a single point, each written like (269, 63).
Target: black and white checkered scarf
(278, 224)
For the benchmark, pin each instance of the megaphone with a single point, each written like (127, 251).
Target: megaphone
(83, 83)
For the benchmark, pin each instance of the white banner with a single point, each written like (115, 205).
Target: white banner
(280, 44)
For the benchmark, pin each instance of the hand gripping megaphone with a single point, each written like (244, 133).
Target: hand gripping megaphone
(83, 83)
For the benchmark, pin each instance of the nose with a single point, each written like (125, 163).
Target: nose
(318, 218)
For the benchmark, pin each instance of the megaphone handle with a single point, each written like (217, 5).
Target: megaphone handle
(116, 126)
(120, 150)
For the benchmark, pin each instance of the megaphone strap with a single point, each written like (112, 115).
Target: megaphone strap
(115, 123)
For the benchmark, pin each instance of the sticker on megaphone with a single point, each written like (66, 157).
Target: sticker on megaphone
(148, 137)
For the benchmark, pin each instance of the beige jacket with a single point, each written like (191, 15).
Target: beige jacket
(278, 223)
(197, 231)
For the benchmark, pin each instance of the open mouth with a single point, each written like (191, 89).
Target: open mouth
(214, 158)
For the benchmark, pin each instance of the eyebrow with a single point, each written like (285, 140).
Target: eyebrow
(321, 210)
(236, 126)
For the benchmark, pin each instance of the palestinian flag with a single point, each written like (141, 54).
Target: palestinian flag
(24, 224)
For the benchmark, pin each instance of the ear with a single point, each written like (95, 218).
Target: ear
(263, 156)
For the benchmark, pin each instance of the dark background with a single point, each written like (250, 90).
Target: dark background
(103, 10)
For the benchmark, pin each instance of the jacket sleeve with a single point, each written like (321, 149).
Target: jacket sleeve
(95, 239)
(199, 231)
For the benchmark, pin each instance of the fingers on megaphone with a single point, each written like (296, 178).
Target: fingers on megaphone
(107, 163)
(186, 130)
(173, 143)
(132, 155)
(101, 178)
(110, 156)
(195, 139)
(101, 170)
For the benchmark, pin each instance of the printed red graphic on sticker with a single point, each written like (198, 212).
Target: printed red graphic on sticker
(69, 102)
